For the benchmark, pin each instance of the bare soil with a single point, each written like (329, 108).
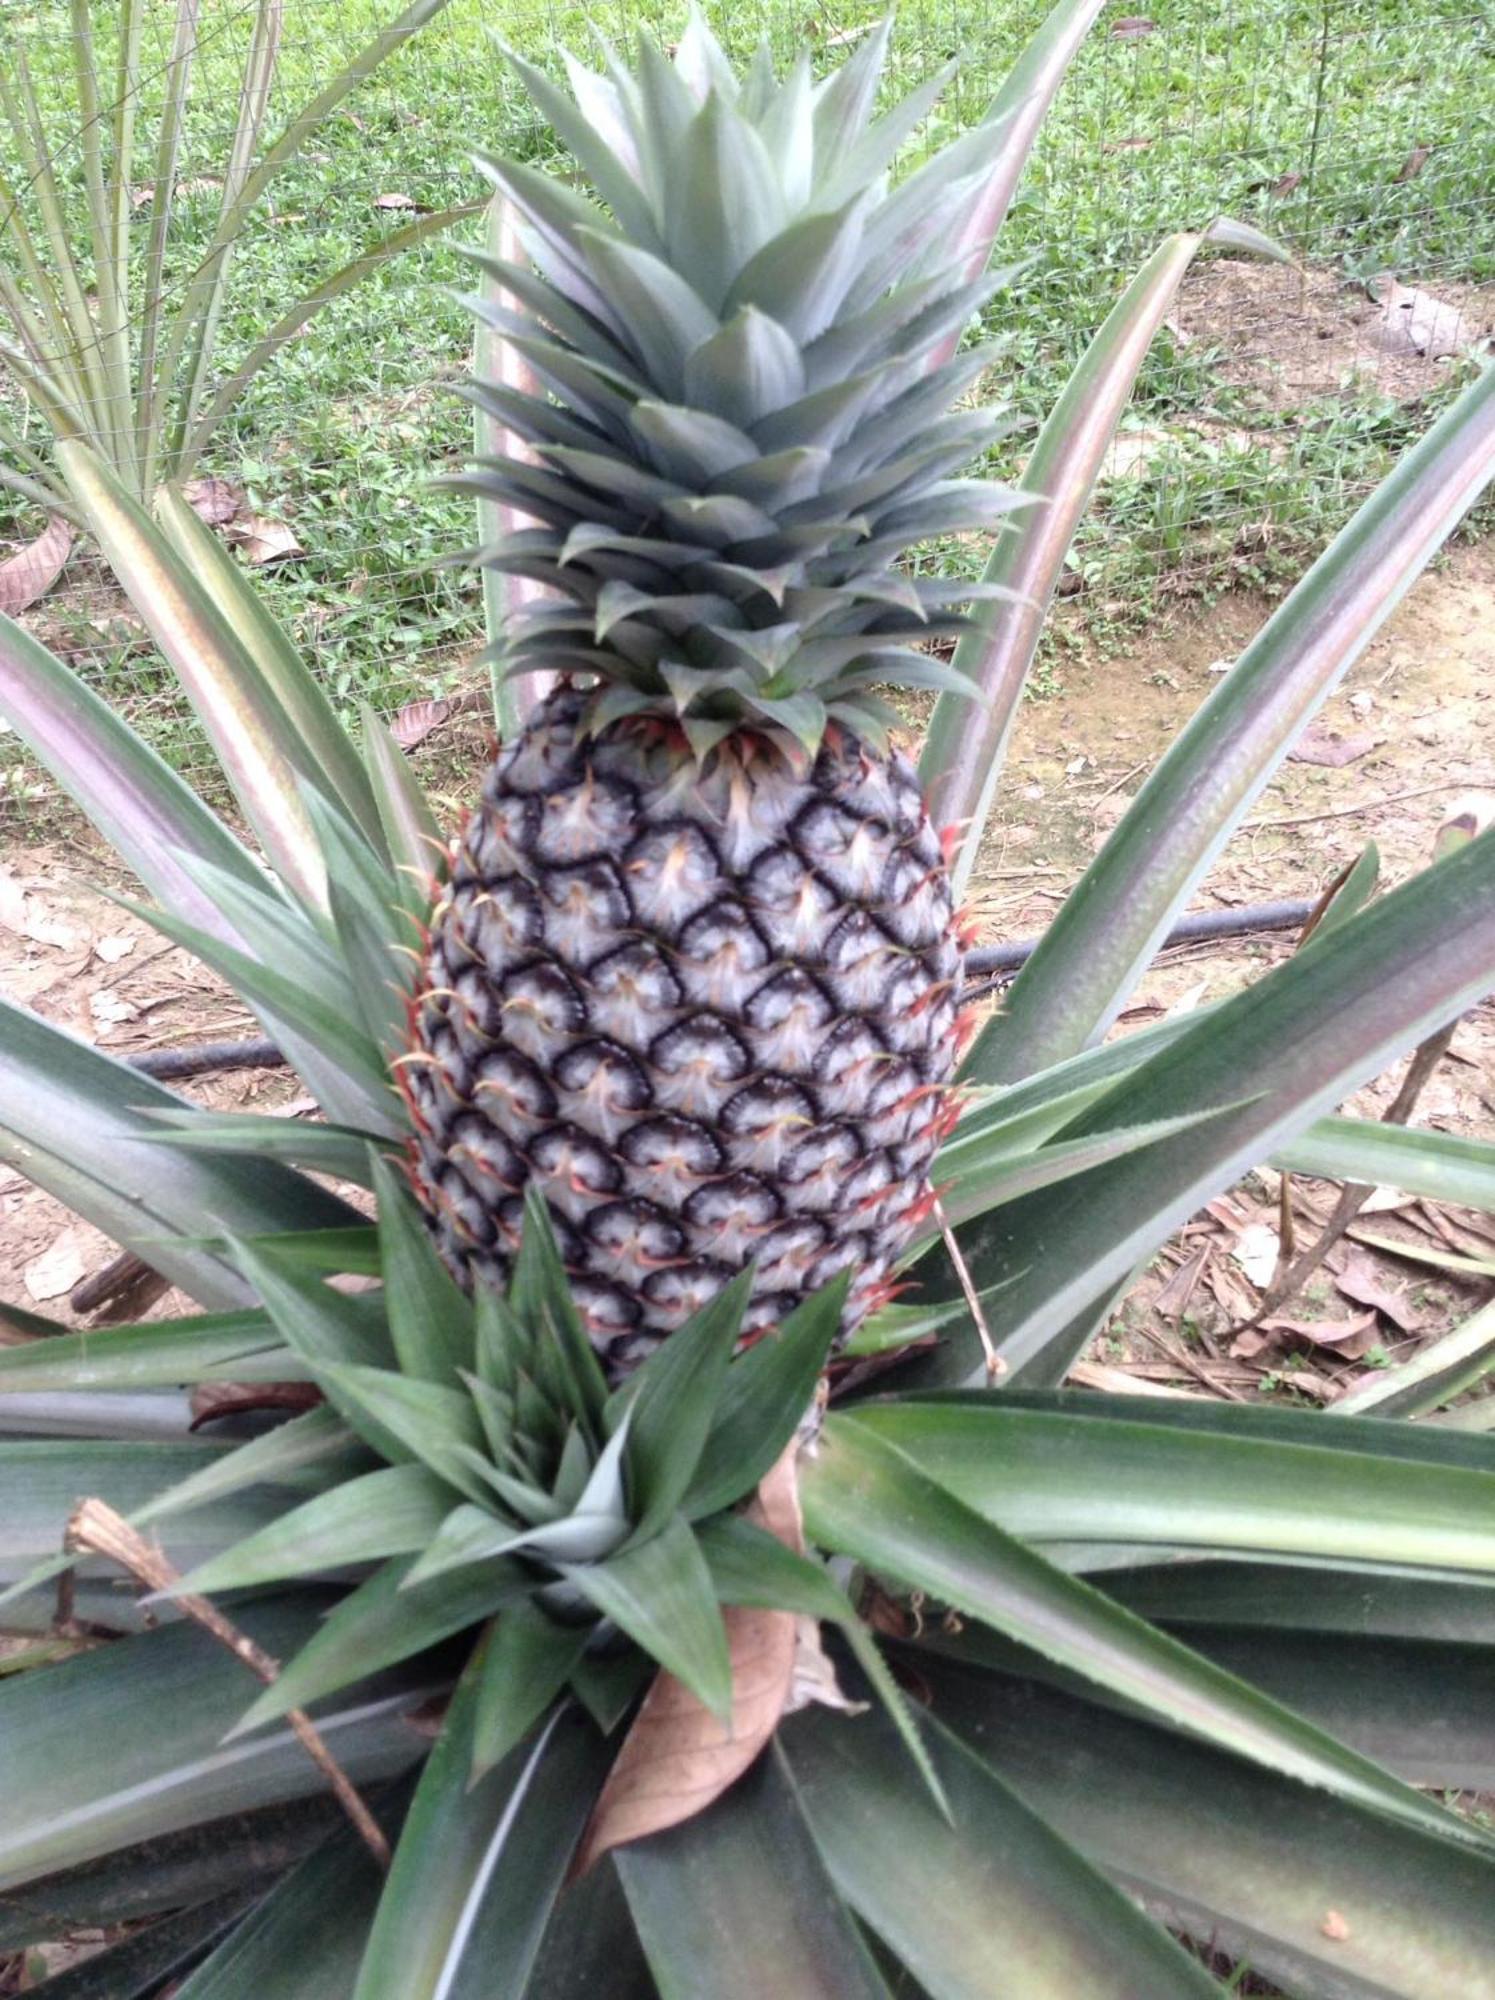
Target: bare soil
(1290, 334)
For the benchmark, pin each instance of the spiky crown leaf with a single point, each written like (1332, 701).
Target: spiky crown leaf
(746, 426)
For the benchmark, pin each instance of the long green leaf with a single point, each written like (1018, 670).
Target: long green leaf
(338, 1150)
(261, 755)
(479, 1865)
(91, 1768)
(1307, 1598)
(1424, 1709)
(378, 1625)
(1295, 1044)
(966, 747)
(701, 1892)
(175, 1872)
(413, 838)
(134, 1967)
(67, 1116)
(42, 1481)
(991, 1895)
(324, 742)
(391, 1512)
(864, 1499)
(1050, 1475)
(1019, 108)
(1246, 1863)
(1443, 1369)
(1444, 1166)
(305, 1939)
(215, 1347)
(1109, 929)
(137, 802)
(498, 362)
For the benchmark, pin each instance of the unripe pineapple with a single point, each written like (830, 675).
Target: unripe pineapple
(697, 970)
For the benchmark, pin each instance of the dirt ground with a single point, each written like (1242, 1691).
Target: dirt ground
(1409, 738)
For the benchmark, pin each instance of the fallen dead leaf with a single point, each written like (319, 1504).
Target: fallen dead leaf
(1256, 1250)
(216, 501)
(814, 1683)
(1331, 751)
(113, 948)
(1285, 184)
(1132, 28)
(417, 719)
(58, 1268)
(1360, 1278)
(401, 201)
(1414, 163)
(1230, 1291)
(1334, 1926)
(44, 929)
(1353, 1338)
(1172, 1302)
(107, 1009)
(214, 1400)
(678, 1757)
(265, 541)
(31, 572)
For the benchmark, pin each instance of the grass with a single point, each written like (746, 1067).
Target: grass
(1205, 114)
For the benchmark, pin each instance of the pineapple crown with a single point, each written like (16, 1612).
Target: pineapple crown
(749, 419)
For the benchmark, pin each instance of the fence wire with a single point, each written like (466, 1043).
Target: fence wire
(1359, 133)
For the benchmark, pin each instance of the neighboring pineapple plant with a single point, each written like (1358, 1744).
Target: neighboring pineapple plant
(680, 1493)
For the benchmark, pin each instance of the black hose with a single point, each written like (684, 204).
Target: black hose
(196, 1059)
(985, 971)
(1012, 956)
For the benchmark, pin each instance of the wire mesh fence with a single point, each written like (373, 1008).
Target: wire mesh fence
(1359, 133)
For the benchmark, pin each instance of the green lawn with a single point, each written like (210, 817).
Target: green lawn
(341, 435)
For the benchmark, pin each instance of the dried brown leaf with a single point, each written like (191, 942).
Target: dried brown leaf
(216, 501)
(401, 202)
(417, 719)
(1132, 28)
(1353, 1337)
(678, 1757)
(1331, 751)
(1172, 1302)
(265, 541)
(214, 1400)
(1361, 1278)
(31, 572)
(58, 1268)
(1414, 163)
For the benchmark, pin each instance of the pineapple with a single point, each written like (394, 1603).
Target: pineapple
(696, 972)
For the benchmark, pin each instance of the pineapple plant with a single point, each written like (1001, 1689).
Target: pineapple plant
(597, 1624)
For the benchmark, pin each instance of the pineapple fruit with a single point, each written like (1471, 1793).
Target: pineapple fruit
(695, 975)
